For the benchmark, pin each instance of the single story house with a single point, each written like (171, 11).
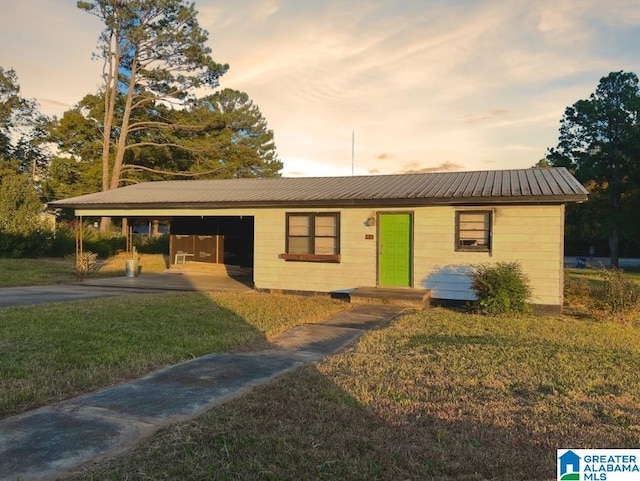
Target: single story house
(331, 234)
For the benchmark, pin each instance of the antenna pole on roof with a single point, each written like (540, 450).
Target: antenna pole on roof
(353, 150)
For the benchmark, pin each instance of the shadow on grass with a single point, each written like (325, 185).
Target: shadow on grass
(364, 414)
(56, 351)
(305, 427)
(60, 349)
(79, 347)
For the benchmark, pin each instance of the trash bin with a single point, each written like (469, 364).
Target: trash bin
(581, 262)
(131, 268)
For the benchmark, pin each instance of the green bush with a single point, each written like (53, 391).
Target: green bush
(36, 243)
(23, 233)
(104, 245)
(616, 298)
(500, 288)
(152, 245)
(64, 242)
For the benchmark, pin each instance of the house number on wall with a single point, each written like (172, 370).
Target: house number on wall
(368, 236)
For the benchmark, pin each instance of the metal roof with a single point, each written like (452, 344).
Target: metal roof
(551, 185)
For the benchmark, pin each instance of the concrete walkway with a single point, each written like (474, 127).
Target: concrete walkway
(57, 440)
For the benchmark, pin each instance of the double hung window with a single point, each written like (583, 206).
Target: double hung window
(313, 237)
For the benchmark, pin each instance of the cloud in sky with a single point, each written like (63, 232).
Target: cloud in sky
(443, 84)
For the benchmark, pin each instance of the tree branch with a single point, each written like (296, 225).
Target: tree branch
(160, 144)
(140, 168)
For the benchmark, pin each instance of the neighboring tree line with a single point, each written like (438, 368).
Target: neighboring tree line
(158, 115)
(599, 143)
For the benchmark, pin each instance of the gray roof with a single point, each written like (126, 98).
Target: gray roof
(552, 185)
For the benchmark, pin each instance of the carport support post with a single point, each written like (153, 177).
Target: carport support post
(125, 227)
(79, 246)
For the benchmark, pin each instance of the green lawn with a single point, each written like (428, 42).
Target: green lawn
(437, 395)
(53, 352)
(36, 272)
(590, 274)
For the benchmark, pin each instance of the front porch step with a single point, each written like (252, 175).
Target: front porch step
(386, 295)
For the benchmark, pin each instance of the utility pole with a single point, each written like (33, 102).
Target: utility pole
(353, 151)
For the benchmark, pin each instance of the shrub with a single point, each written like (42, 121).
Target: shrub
(64, 242)
(500, 288)
(153, 245)
(616, 298)
(577, 291)
(22, 232)
(36, 243)
(85, 264)
(104, 245)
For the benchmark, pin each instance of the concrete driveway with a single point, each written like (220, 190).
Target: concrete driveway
(23, 296)
(120, 286)
(176, 281)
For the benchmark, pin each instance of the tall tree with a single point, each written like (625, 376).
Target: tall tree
(77, 169)
(600, 142)
(229, 138)
(78, 131)
(154, 53)
(22, 127)
(243, 144)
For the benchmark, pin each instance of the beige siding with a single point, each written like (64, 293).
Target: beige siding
(532, 235)
(358, 255)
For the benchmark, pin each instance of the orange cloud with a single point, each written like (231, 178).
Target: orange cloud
(416, 168)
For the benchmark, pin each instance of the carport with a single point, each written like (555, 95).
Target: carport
(220, 245)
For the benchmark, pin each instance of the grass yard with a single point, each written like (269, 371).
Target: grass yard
(54, 352)
(37, 272)
(591, 275)
(437, 395)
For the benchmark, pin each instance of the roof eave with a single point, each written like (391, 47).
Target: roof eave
(543, 199)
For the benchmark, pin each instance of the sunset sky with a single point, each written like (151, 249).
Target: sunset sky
(423, 84)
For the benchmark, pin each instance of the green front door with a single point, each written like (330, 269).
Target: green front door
(394, 250)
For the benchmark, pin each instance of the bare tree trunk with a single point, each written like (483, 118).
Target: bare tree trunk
(110, 94)
(105, 224)
(614, 238)
(124, 130)
(613, 247)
